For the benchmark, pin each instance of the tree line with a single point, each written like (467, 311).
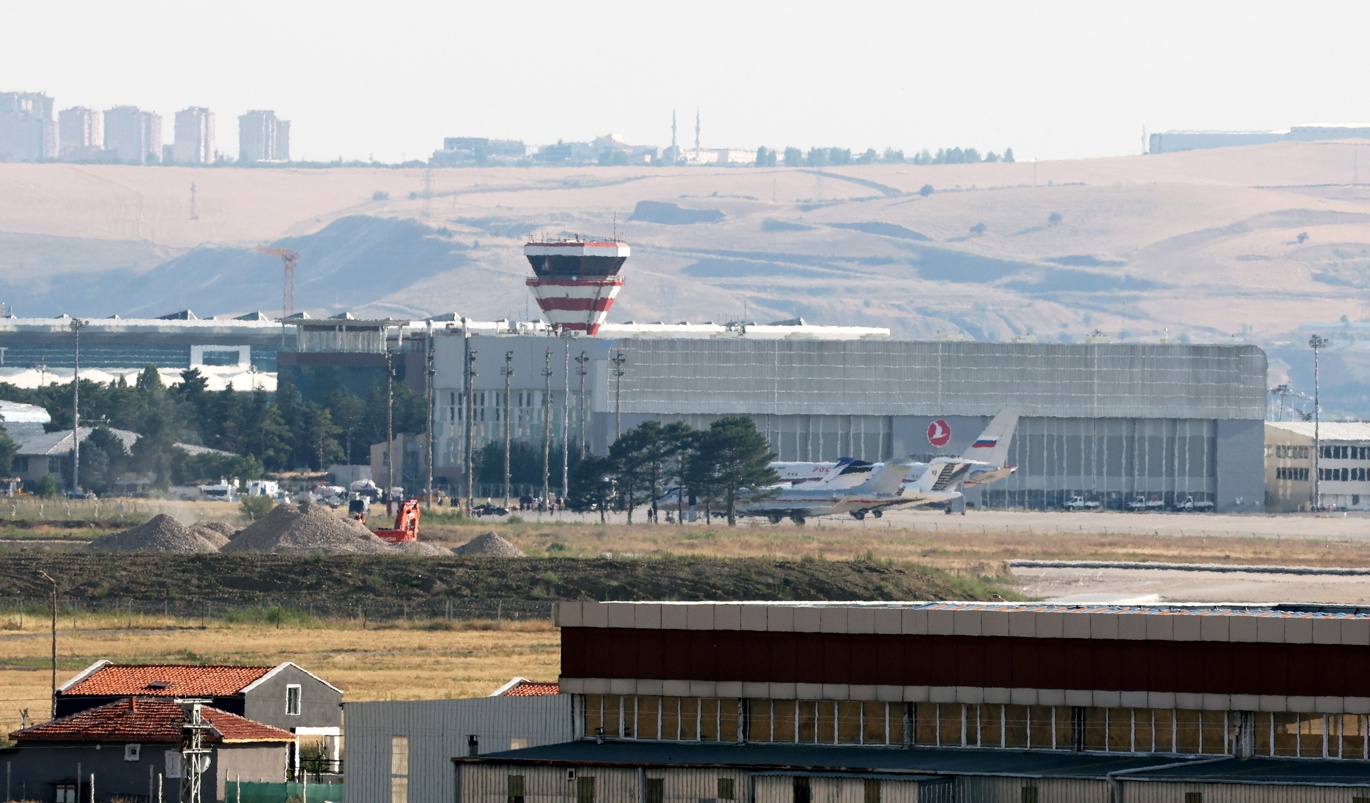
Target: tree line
(836, 157)
(264, 432)
(716, 467)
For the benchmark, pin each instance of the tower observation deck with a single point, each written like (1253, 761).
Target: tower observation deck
(575, 281)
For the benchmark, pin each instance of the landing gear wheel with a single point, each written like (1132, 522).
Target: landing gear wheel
(775, 518)
(858, 514)
(797, 520)
(877, 513)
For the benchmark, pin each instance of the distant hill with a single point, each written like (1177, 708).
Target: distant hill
(1202, 245)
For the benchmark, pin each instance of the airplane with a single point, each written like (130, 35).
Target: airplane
(882, 488)
(985, 458)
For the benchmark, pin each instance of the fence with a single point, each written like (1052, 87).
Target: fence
(258, 792)
(278, 610)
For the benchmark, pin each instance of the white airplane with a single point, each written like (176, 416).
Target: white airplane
(882, 488)
(985, 459)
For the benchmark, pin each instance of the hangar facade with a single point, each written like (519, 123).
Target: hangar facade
(1110, 422)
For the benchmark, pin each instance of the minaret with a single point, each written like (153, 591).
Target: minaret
(675, 154)
(696, 133)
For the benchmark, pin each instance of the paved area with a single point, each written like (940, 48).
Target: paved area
(1142, 586)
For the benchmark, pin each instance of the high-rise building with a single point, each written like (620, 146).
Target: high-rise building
(194, 137)
(27, 131)
(133, 135)
(263, 137)
(78, 130)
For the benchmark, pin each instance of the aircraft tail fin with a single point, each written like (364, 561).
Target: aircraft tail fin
(837, 470)
(992, 445)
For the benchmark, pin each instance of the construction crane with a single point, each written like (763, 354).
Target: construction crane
(288, 260)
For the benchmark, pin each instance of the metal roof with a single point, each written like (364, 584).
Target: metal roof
(940, 761)
(1265, 770)
(1327, 430)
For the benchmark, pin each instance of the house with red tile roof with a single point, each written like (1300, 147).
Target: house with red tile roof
(283, 696)
(523, 687)
(126, 744)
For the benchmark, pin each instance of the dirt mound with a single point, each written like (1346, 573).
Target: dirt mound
(217, 533)
(490, 545)
(290, 529)
(161, 534)
(420, 548)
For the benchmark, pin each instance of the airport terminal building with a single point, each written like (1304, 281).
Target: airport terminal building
(1110, 422)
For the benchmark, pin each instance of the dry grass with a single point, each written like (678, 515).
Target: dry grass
(417, 661)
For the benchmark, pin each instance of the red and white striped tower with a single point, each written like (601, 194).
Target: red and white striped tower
(575, 281)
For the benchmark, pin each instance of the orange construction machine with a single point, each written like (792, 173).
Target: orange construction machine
(406, 524)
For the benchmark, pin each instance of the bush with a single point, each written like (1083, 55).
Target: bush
(925, 190)
(380, 195)
(255, 507)
(46, 486)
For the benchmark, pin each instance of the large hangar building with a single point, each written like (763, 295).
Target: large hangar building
(1110, 422)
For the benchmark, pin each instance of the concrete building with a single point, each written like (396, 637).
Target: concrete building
(781, 703)
(1172, 141)
(79, 133)
(27, 131)
(476, 151)
(1343, 463)
(193, 142)
(263, 137)
(1108, 422)
(249, 342)
(133, 135)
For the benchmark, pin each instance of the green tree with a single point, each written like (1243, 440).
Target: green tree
(592, 485)
(8, 449)
(925, 190)
(732, 458)
(794, 157)
(46, 486)
(1008, 154)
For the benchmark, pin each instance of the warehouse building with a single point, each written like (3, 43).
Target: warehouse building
(1109, 422)
(1343, 463)
(803, 702)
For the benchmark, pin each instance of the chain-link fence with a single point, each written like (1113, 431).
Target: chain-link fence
(285, 609)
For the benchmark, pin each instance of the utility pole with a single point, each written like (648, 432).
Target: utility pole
(508, 375)
(566, 417)
(618, 360)
(546, 421)
(470, 406)
(580, 369)
(76, 325)
(194, 754)
(1317, 343)
(429, 372)
(389, 414)
(45, 576)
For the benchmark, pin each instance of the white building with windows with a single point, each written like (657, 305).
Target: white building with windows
(1343, 464)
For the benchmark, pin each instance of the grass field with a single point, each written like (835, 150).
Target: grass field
(421, 660)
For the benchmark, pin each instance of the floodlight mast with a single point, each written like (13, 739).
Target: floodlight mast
(1317, 343)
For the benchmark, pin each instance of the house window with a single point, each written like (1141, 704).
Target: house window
(1193, 797)
(1029, 794)
(514, 787)
(66, 793)
(872, 790)
(399, 769)
(173, 763)
(21, 465)
(585, 790)
(517, 744)
(726, 790)
(132, 751)
(292, 700)
(656, 790)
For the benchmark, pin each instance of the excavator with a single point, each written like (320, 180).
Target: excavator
(406, 521)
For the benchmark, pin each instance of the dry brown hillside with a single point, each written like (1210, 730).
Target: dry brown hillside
(1204, 244)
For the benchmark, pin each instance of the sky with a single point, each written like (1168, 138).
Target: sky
(388, 80)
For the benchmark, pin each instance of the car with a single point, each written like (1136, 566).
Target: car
(1080, 503)
(1142, 504)
(81, 495)
(490, 510)
(1190, 506)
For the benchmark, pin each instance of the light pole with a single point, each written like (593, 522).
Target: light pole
(1317, 343)
(470, 410)
(508, 375)
(45, 576)
(618, 360)
(546, 423)
(76, 325)
(580, 363)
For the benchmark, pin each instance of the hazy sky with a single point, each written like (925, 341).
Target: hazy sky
(391, 79)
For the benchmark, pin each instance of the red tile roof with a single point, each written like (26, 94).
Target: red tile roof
(529, 688)
(165, 680)
(148, 719)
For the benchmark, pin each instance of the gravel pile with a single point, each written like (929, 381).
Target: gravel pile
(490, 545)
(217, 533)
(161, 534)
(306, 528)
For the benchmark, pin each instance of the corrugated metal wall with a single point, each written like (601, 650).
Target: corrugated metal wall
(1160, 792)
(781, 789)
(490, 784)
(973, 789)
(437, 731)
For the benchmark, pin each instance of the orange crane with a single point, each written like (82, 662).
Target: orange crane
(288, 260)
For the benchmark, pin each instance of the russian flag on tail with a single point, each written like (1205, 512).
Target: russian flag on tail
(985, 443)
